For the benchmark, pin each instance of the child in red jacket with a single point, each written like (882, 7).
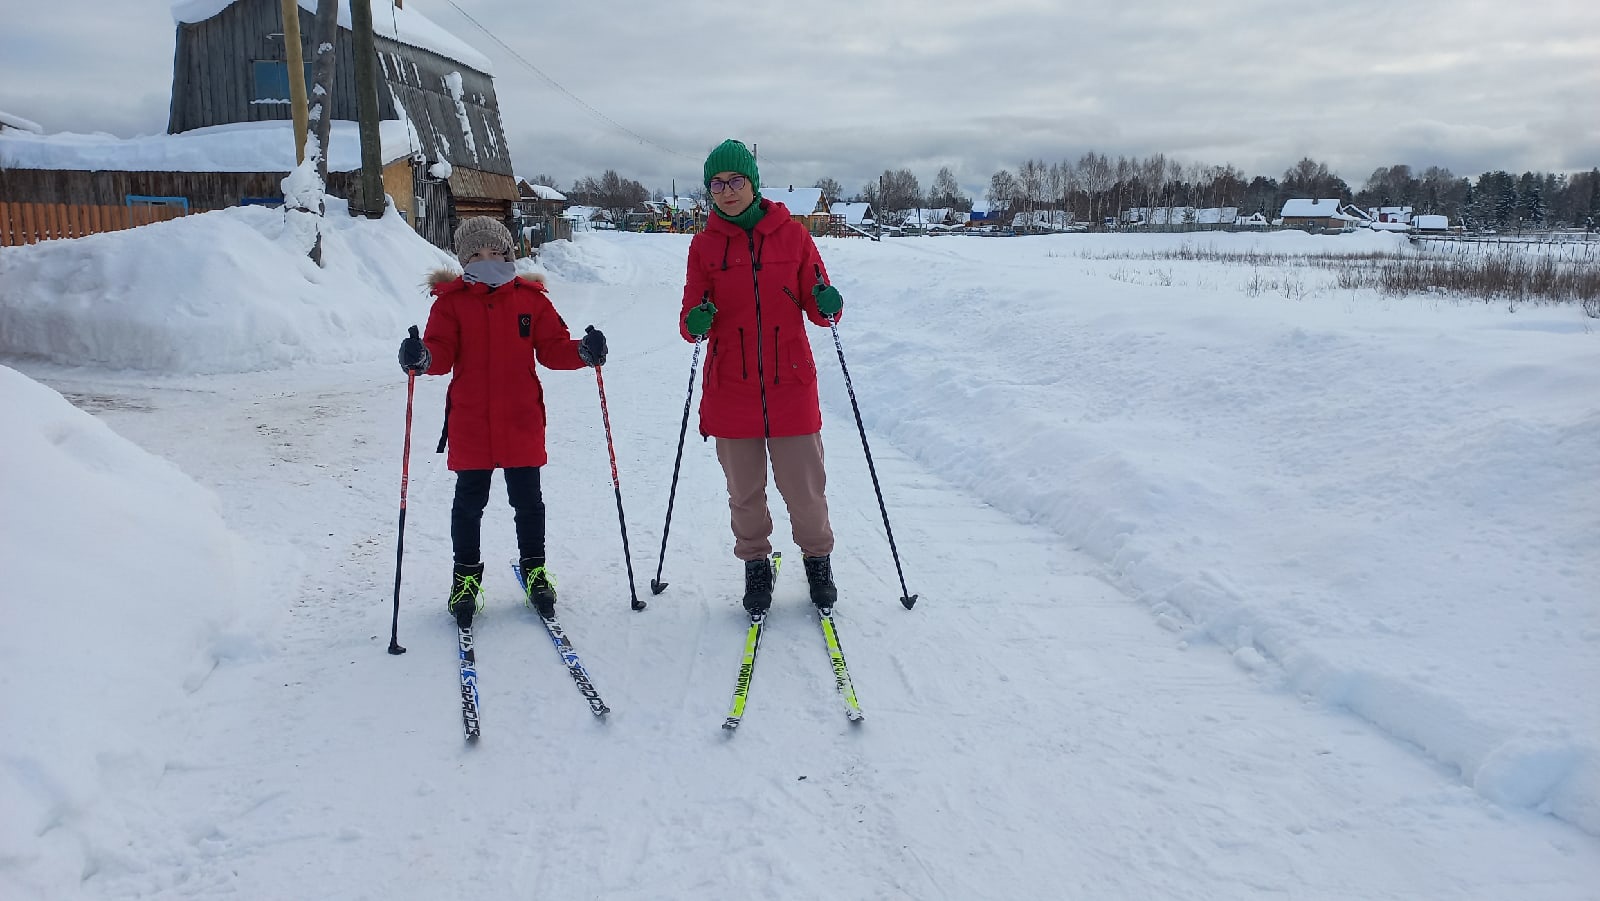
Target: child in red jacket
(487, 328)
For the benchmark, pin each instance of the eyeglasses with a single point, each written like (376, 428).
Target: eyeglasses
(735, 183)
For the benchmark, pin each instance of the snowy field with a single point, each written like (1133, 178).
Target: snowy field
(1224, 592)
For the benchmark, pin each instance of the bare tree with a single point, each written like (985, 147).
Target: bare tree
(1030, 184)
(1096, 177)
(946, 192)
(831, 190)
(897, 192)
(1311, 179)
(1003, 190)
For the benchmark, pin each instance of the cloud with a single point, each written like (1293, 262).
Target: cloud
(848, 89)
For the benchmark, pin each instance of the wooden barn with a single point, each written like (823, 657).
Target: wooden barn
(232, 66)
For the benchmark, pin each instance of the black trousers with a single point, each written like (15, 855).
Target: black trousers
(472, 496)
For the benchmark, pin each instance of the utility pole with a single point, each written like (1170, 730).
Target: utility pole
(322, 70)
(366, 62)
(296, 64)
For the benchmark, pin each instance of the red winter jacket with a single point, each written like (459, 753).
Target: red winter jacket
(760, 282)
(490, 338)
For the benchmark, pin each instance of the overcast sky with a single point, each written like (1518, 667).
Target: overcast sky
(852, 87)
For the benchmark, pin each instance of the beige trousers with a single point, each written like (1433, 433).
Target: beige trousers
(798, 471)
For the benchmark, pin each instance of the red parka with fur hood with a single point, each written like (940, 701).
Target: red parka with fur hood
(490, 339)
(760, 281)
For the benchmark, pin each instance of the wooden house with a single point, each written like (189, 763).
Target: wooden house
(232, 67)
(1316, 215)
(807, 205)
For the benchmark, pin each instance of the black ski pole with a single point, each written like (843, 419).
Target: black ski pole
(656, 585)
(605, 417)
(405, 481)
(906, 597)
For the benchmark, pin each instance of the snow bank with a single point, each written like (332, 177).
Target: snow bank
(102, 646)
(225, 291)
(1385, 505)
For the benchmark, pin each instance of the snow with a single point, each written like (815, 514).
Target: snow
(452, 86)
(404, 24)
(803, 201)
(11, 121)
(239, 147)
(1223, 593)
(1326, 208)
(544, 192)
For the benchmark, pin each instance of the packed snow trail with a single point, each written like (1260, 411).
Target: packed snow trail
(1034, 732)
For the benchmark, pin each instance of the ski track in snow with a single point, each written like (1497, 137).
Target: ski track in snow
(1030, 731)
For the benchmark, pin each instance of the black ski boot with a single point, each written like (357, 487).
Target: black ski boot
(539, 586)
(466, 593)
(819, 575)
(757, 586)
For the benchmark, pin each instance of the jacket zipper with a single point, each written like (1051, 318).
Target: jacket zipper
(761, 372)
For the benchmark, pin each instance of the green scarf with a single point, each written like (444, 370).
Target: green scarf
(746, 220)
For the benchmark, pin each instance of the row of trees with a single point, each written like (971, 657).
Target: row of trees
(1096, 187)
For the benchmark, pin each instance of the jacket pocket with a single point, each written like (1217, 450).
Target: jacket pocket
(794, 362)
(710, 376)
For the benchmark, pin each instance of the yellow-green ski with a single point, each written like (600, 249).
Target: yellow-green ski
(747, 663)
(841, 673)
(747, 669)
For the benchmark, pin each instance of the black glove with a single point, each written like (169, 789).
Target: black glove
(592, 347)
(414, 356)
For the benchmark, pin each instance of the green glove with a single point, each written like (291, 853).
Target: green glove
(829, 301)
(698, 319)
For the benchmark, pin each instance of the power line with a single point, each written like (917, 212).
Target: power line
(557, 85)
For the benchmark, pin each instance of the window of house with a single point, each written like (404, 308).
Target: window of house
(270, 81)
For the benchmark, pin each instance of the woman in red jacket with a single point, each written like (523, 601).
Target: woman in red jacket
(488, 326)
(754, 279)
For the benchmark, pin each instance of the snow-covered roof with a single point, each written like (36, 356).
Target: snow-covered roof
(1431, 220)
(544, 192)
(240, 147)
(853, 213)
(9, 121)
(406, 26)
(580, 213)
(800, 201)
(1317, 209)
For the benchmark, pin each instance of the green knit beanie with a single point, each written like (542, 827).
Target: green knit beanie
(732, 156)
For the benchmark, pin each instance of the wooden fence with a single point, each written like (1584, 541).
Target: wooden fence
(30, 223)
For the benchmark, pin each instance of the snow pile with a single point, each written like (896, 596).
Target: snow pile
(121, 585)
(1391, 502)
(224, 291)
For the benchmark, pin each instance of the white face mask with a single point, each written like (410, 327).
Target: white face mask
(493, 273)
